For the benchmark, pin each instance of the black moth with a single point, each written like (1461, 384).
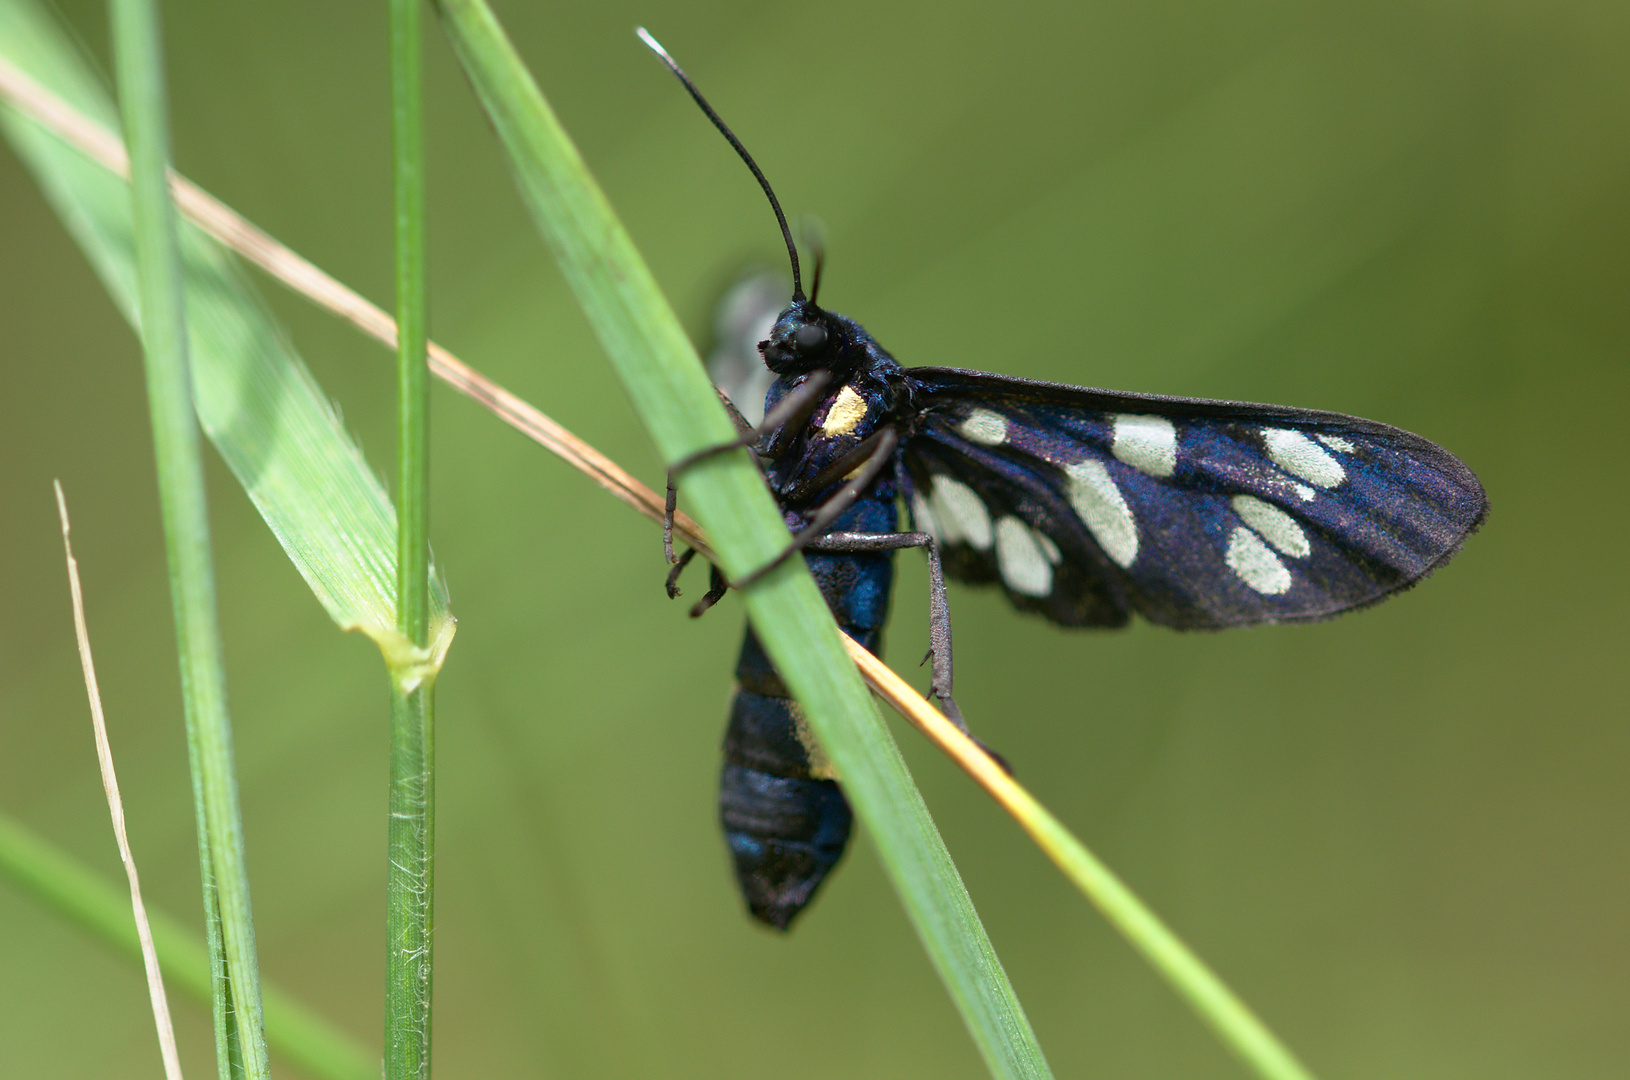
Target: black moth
(1081, 505)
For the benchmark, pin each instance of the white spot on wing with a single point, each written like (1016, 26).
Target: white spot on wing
(922, 516)
(1257, 566)
(1275, 482)
(960, 513)
(1337, 443)
(1048, 548)
(1147, 443)
(1300, 455)
(845, 413)
(1025, 567)
(984, 426)
(1103, 510)
(1273, 525)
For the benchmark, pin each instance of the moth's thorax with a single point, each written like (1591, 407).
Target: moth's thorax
(865, 395)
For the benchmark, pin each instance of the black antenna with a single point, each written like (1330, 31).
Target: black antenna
(814, 240)
(786, 233)
(820, 261)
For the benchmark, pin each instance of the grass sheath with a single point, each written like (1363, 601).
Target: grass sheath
(411, 880)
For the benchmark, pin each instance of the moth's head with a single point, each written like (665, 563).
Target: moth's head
(804, 338)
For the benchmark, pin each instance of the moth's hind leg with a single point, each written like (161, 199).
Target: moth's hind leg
(939, 612)
(858, 468)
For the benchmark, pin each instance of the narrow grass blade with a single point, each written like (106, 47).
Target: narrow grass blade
(660, 370)
(179, 456)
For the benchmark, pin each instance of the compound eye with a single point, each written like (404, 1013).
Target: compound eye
(809, 337)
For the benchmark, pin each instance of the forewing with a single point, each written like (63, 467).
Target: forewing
(1086, 505)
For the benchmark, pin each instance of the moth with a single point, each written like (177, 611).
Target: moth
(1084, 506)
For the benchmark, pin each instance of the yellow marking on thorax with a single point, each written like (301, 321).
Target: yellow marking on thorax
(847, 411)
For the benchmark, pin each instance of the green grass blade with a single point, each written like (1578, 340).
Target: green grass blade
(411, 879)
(271, 423)
(101, 907)
(179, 456)
(660, 370)
(412, 375)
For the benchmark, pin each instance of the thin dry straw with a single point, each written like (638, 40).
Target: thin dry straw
(116, 811)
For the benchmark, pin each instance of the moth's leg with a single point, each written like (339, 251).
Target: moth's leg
(861, 465)
(864, 462)
(716, 588)
(669, 507)
(789, 414)
(678, 568)
(939, 612)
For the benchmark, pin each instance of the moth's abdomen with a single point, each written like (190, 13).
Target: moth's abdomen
(786, 825)
(784, 817)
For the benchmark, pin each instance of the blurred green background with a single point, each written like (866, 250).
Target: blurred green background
(1402, 836)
